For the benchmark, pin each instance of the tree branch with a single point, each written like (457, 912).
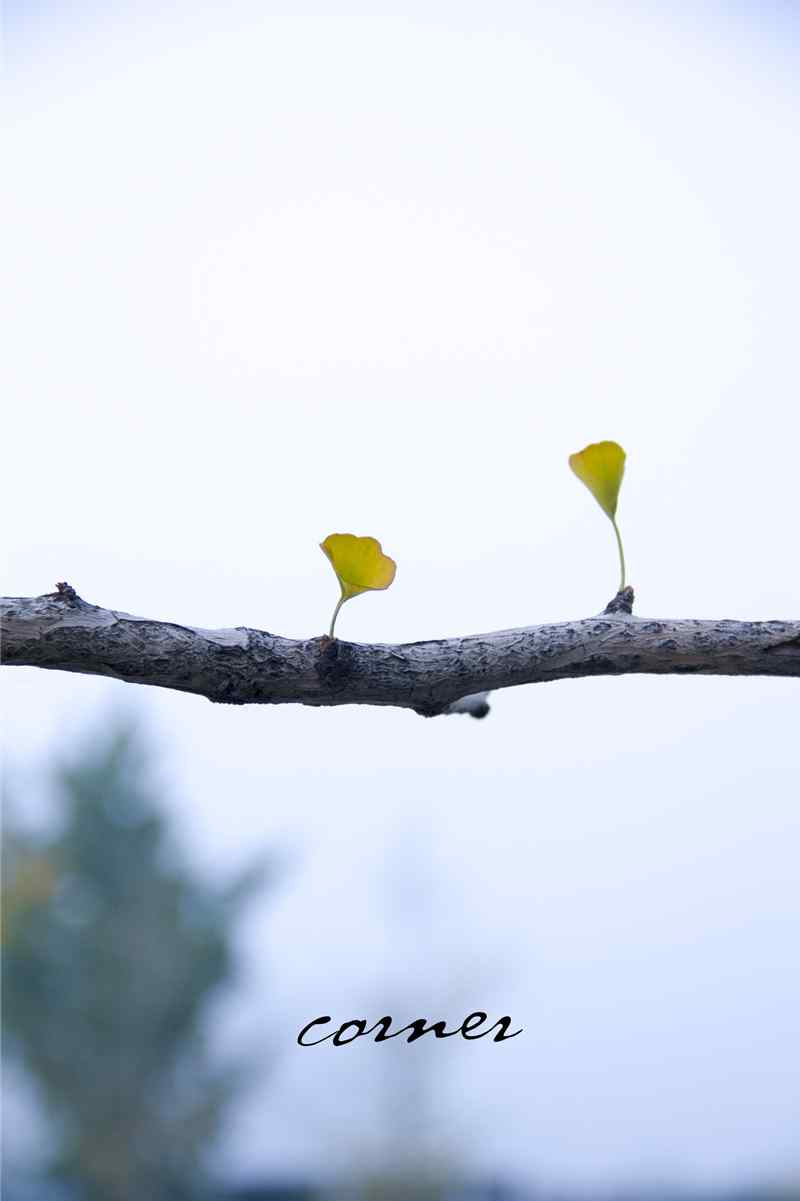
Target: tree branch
(241, 666)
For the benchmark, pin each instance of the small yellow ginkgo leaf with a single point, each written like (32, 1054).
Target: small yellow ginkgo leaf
(600, 466)
(360, 566)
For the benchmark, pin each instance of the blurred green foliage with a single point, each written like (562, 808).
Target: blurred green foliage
(112, 954)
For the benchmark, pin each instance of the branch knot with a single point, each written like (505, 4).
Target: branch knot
(622, 602)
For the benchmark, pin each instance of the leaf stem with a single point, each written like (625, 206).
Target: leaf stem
(621, 554)
(341, 601)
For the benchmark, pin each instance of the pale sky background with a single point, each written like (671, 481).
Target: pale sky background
(278, 270)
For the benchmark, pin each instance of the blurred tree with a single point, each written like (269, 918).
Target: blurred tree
(112, 954)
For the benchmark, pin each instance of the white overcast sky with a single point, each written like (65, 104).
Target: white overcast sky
(279, 270)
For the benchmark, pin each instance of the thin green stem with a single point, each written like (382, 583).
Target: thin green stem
(342, 599)
(621, 555)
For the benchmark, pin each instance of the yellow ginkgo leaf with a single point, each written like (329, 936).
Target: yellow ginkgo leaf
(600, 466)
(360, 566)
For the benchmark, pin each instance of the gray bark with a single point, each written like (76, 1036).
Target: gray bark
(61, 631)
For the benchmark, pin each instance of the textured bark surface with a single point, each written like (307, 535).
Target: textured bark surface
(241, 666)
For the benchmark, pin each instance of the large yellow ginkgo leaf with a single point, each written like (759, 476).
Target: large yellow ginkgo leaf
(360, 566)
